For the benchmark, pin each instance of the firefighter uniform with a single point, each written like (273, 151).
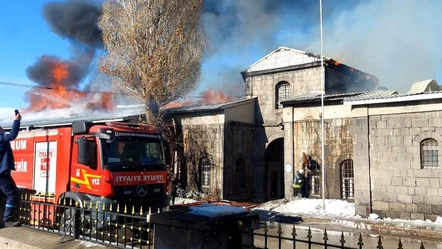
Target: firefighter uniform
(298, 183)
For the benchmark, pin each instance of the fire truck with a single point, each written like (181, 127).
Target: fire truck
(99, 163)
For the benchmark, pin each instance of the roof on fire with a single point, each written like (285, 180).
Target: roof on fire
(208, 107)
(51, 119)
(289, 58)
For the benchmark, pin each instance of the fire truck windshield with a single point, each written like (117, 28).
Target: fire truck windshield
(134, 152)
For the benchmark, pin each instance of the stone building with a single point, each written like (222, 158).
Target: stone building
(396, 153)
(289, 74)
(381, 147)
(215, 147)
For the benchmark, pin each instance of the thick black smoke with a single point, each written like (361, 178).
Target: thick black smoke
(42, 72)
(76, 20)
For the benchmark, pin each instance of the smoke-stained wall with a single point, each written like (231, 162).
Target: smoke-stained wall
(238, 161)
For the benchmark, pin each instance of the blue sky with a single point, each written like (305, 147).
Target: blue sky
(24, 37)
(398, 41)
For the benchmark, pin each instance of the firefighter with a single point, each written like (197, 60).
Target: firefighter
(298, 183)
(7, 184)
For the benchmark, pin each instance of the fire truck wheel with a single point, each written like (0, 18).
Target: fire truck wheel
(68, 221)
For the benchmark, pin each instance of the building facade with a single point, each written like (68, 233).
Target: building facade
(286, 74)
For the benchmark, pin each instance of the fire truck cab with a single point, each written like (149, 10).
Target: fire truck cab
(102, 163)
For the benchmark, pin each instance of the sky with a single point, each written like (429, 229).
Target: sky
(397, 41)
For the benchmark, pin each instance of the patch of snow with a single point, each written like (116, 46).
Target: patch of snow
(311, 206)
(373, 217)
(340, 211)
(211, 210)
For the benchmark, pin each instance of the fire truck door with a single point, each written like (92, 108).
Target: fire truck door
(45, 166)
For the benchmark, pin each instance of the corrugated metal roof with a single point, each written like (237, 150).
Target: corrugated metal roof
(283, 57)
(375, 94)
(49, 120)
(205, 107)
(314, 97)
(423, 86)
(401, 97)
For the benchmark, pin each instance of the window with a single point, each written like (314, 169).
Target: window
(282, 92)
(315, 177)
(240, 174)
(429, 153)
(347, 179)
(205, 173)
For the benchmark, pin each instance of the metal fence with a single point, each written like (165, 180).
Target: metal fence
(263, 239)
(111, 225)
(129, 227)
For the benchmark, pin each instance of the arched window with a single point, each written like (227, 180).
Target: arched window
(429, 153)
(282, 92)
(347, 179)
(240, 176)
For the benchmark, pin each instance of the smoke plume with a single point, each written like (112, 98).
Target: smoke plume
(76, 20)
(397, 41)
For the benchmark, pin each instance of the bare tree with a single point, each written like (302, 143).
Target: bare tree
(154, 48)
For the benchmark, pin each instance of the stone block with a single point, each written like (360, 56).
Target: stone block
(423, 208)
(382, 180)
(433, 191)
(389, 197)
(420, 122)
(404, 198)
(392, 214)
(380, 205)
(409, 181)
(431, 217)
(396, 181)
(417, 216)
(436, 209)
(405, 216)
(411, 208)
(423, 181)
(420, 191)
(433, 200)
(418, 199)
(399, 207)
(402, 190)
(381, 124)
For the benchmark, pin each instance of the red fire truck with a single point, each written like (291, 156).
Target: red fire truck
(96, 163)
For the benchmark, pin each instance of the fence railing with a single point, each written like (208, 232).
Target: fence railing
(129, 227)
(263, 239)
(112, 225)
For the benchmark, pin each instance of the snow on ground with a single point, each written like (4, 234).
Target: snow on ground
(338, 208)
(340, 211)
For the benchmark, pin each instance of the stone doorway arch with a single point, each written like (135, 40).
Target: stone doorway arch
(274, 170)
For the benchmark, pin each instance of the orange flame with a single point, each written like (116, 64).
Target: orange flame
(57, 96)
(209, 97)
(212, 96)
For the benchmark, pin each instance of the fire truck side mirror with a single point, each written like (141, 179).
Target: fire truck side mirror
(86, 152)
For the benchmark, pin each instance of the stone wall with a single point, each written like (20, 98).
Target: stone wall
(338, 147)
(238, 145)
(302, 81)
(400, 187)
(203, 141)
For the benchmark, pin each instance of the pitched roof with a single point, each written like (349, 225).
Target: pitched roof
(208, 107)
(283, 57)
